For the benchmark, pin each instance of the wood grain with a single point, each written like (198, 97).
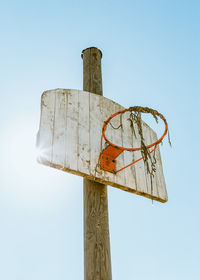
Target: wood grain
(70, 136)
(97, 259)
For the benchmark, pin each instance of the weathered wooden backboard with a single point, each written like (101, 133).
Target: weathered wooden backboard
(69, 139)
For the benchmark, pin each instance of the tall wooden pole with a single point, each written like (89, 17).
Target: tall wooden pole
(97, 260)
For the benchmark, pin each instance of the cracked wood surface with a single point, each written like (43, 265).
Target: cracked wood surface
(97, 259)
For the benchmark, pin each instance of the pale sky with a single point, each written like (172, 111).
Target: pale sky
(150, 58)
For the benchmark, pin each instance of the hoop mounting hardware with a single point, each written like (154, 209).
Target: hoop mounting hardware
(107, 158)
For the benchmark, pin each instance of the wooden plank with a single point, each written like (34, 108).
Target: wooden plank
(151, 186)
(83, 132)
(139, 166)
(59, 133)
(75, 122)
(72, 136)
(128, 136)
(159, 176)
(94, 132)
(115, 137)
(45, 134)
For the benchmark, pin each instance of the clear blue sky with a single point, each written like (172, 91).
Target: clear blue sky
(150, 58)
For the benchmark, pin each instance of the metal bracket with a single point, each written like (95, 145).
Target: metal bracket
(107, 158)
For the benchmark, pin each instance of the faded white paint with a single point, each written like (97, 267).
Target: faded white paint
(69, 139)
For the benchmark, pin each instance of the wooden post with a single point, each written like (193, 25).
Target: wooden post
(97, 260)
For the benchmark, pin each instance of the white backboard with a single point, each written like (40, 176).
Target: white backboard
(69, 139)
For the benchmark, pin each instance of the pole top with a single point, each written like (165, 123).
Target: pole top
(92, 48)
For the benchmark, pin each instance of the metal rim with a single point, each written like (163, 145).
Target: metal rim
(142, 110)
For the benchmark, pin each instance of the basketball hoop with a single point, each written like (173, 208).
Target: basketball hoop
(112, 151)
